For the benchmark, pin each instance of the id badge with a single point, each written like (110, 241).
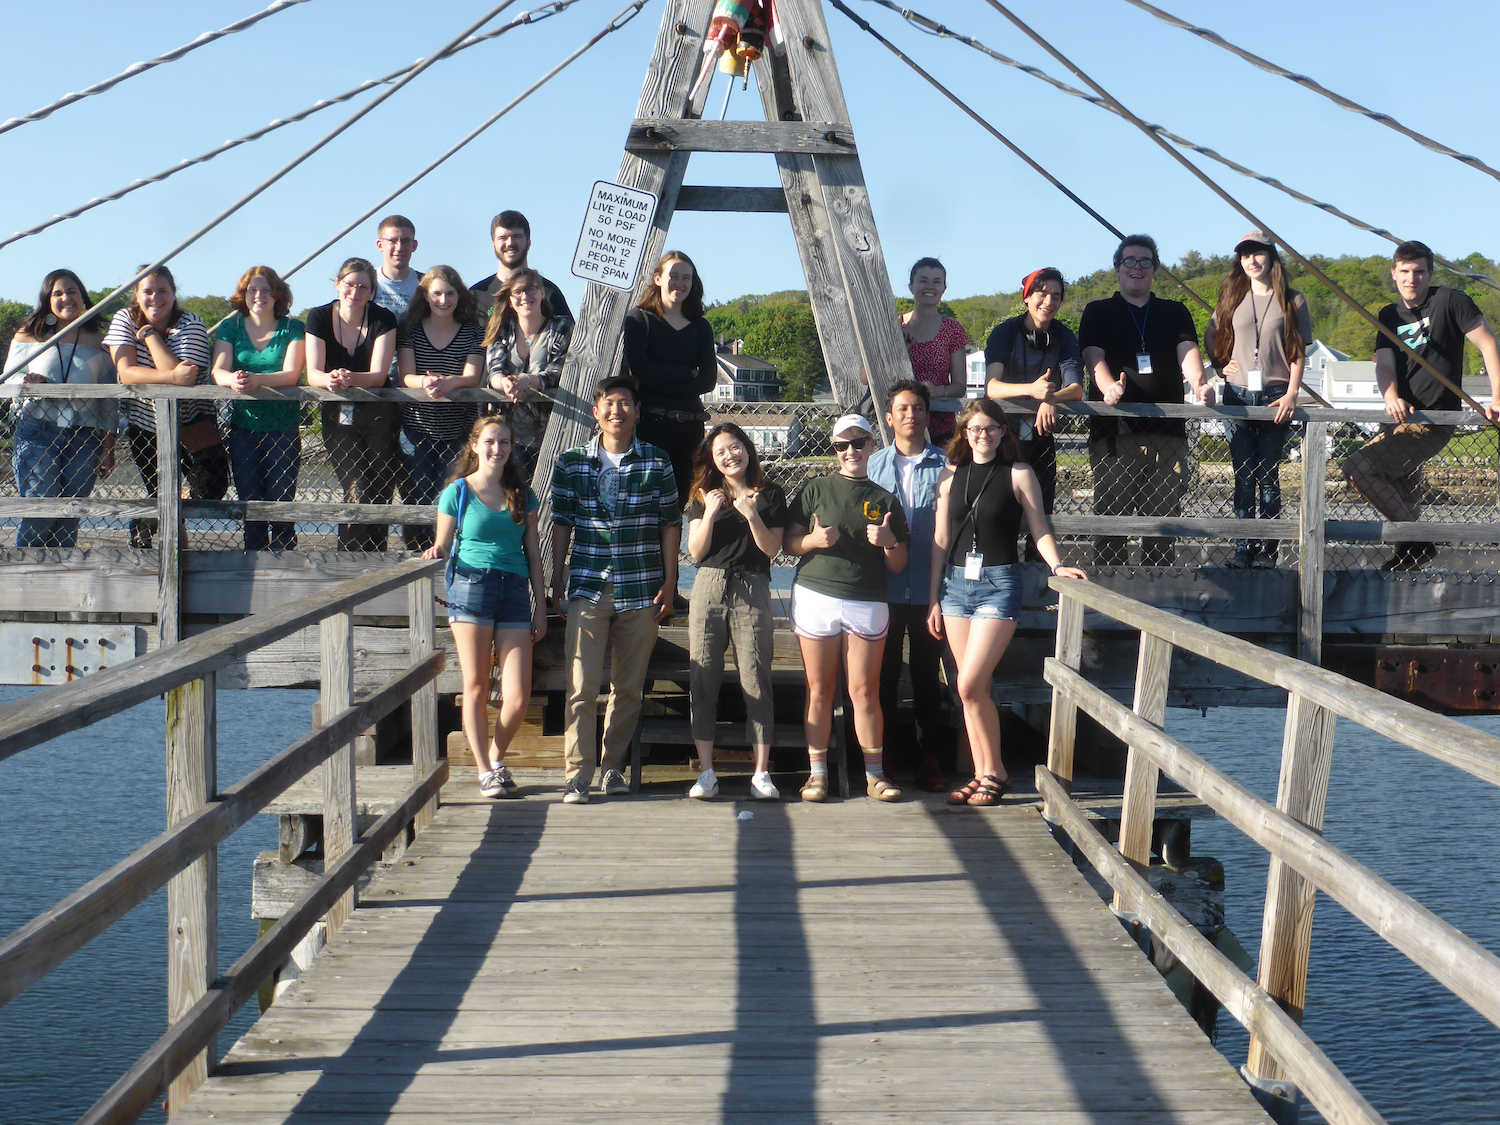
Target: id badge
(1253, 380)
(973, 566)
(1143, 363)
(346, 414)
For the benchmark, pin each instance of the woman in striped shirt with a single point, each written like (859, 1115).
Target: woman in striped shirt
(438, 350)
(156, 340)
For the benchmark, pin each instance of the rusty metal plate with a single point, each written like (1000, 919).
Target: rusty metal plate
(1445, 679)
(59, 652)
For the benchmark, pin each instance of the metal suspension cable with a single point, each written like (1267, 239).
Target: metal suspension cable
(146, 271)
(1209, 182)
(536, 15)
(624, 16)
(924, 23)
(141, 67)
(1302, 80)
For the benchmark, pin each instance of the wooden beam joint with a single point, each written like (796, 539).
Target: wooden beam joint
(651, 136)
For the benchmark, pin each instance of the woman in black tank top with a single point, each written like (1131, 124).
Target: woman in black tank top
(976, 580)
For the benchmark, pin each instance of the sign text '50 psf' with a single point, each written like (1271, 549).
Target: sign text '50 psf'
(614, 235)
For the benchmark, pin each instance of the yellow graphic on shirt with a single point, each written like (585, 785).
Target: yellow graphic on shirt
(873, 511)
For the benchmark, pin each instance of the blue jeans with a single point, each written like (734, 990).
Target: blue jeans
(265, 464)
(51, 460)
(1255, 450)
(427, 463)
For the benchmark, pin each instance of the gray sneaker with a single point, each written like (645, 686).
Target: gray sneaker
(508, 783)
(575, 793)
(489, 784)
(613, 784)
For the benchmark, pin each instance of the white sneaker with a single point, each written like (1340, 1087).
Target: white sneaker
(489, 784)
(762, 787)
(613, 784)
(575, 793)
(706, 787)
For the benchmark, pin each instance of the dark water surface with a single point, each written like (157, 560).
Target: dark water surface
(71, 808)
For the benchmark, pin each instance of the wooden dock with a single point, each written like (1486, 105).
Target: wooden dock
(654, 957)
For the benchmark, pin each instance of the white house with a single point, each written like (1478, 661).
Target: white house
(744, 378)
(974, 365)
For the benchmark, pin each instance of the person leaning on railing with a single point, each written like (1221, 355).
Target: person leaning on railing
(1257, 338)
(261, 346)
(438, 351)
(62, 446)
(156, 340)
(525, 347)
(350, 343)
(937, 345)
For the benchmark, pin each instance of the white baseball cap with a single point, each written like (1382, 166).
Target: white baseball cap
(851, 422)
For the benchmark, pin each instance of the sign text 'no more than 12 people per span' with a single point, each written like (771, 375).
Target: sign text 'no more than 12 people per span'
(614, 235)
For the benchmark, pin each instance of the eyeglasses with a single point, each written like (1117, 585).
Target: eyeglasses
(530, 292)
(399, 241)
(982, 431)
(1138, 263)
(853, 443)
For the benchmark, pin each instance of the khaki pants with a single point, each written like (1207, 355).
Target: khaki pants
(631, 636)
(1145, 475)
(731, 608)
(1387, 469)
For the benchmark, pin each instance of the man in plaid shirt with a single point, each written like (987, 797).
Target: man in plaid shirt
(616, 500)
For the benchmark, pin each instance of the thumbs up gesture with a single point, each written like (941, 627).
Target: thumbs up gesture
(820, 535)
(881, 534)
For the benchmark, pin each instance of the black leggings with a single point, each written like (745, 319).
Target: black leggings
(679, 441)
(206, 471)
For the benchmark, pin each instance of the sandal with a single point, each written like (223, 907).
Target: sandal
(991, 790)
(961, 795)
(816, 788)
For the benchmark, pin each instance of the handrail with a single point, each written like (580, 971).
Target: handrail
(1302, 862)
(31, 721)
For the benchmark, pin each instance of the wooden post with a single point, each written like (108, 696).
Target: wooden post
(338, 771)
(1138, 809)
(193, 896)
(423, 634)
(1310, 554)
(1064, 726)
(169, 522)
(1286, 929)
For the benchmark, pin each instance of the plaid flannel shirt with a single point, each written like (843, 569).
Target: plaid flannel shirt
(624, 550)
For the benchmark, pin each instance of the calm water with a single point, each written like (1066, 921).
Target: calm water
(70, 809)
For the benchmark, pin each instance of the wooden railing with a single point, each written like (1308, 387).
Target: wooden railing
(1302, 862)
(184, 858)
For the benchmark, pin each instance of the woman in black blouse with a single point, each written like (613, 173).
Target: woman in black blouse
(350, 343)
(669, 348)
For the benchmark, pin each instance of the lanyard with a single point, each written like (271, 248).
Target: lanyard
(1255, 320)
(1140, 326)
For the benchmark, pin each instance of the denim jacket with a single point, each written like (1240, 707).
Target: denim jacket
(910, 587)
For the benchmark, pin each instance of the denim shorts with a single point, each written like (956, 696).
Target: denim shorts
(496, 598)
(994, 596)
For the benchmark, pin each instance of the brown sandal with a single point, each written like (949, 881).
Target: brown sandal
(961, 795)
(991, 790)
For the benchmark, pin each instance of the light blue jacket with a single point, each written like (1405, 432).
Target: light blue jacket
(910, 587)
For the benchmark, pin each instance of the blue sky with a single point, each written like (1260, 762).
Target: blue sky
(939, 185)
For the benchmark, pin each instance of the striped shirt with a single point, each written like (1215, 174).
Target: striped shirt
(622, 546)
(188, 341)
(440, 421)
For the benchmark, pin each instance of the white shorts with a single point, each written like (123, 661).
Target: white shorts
(820, 616)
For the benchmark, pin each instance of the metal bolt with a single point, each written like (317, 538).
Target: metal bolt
(809, 42)
(831, 137)
(682, 29)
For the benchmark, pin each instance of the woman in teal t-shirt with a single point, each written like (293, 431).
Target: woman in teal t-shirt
(487, 515)
(263, 347)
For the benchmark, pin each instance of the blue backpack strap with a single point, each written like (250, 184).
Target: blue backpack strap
(463, 503)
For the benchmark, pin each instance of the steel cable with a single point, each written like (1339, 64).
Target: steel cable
(141, 67)
(924, 23)
(536, 15)
(1302, 80)
(146, 271)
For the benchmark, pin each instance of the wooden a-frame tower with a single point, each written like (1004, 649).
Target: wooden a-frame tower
(822, 192)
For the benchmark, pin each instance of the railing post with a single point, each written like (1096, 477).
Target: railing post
(423, 634)
(1286, 930)
(1138, 809)
(338, 770)
(1310, 553)
(169, 522)
(193, 896)
(1064, 727)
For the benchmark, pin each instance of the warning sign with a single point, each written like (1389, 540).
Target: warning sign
(614, 235)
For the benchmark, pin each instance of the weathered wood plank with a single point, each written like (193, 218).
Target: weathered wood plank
(1325, 1085)
(1138, 811)
(1064, 724)
(1310, 559)
(424, 719)
(657, 135)
(744, 200)
(169, 521)
(338, 771)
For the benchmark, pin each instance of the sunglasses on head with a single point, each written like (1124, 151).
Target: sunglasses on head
(852, 443)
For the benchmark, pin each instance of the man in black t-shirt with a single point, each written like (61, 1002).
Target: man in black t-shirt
(510, 233)
(1434, 321)
(1138, 347)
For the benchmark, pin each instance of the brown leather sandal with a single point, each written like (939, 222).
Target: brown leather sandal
(961, 795)
(991, 790)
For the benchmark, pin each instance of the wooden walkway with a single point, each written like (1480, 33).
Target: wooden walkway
(655, 958)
